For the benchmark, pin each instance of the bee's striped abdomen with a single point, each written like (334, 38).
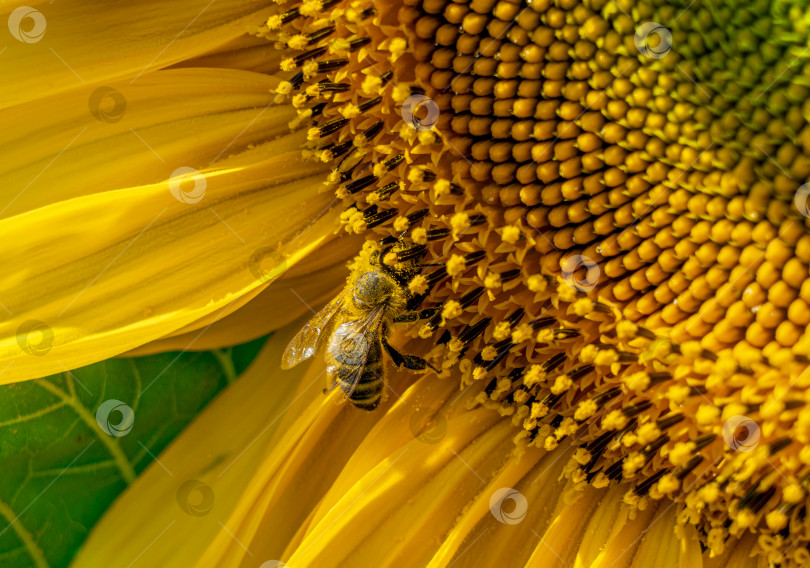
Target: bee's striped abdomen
(368, 390)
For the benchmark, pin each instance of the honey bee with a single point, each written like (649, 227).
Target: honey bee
(354, 328)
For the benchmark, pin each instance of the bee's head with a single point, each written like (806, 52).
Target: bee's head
(372, 289)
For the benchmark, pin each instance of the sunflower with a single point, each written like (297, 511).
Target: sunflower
(608, 204)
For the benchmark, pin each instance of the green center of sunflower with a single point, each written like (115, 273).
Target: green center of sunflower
(611, 199)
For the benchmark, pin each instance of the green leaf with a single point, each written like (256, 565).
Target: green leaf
(70, 443)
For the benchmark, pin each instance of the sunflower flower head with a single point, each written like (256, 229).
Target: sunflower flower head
(610, 203)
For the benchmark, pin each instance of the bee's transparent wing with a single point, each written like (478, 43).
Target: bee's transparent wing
(356, 351)
(308, 340)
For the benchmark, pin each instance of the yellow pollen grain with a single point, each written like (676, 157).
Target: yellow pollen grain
(288, 64)
(681, 453)
(441, 188)
(479, 373)
(311, 8)
(668, 484)
(310, 68)
(776, 520)
(419, 235)
(298, 41)
(502, 386)
(637, 382)
(545, 336)
(489, 353)
(677, 393)
(626, 330)
(561, 384)
(582, 307)
(793, 494)
(350, 111)
(606, 357)
(371, 85)
(566, 292)
(426, 137)
(588, 353)
(455, 265)
(533, 376)
(539, 410)
(614, 420)
(313, 134)
(585, 409)
(633, 463)
(415, 175)
(418, 284)
(401, 224)
(274, 22)
(522, 333)
(510, 234)
(379, 169)
(502, 331)
(709, 493)
(550, 444)
(459, 223)
(536, 283)
(299, 100)
(426, 331)
(284, 88)
(601, 481)
(648, 433)
(745, 519)
(450, 310)
(707, 415)
(582, 456)
(492, 280)
(716, 540)
(397, 46)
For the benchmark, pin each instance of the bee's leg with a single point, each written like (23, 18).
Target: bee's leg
(411, 362)
(413, 316)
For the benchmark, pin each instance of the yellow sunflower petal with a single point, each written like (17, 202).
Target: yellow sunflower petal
(222, 449)
(63, 45)
(95, 139)
(301, 290)
(162, 262)
(421, 482)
